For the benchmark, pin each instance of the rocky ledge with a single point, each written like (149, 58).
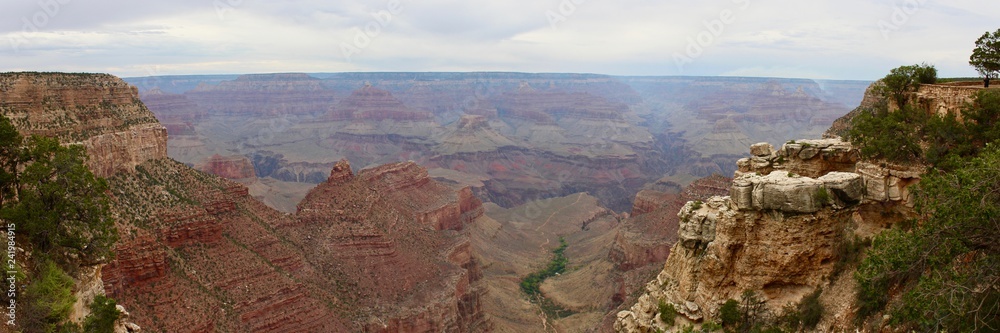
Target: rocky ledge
(777, 231)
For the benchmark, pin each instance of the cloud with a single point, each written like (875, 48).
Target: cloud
(819, 39)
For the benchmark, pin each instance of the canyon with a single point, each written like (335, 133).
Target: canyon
(512, 137)
(404, 202)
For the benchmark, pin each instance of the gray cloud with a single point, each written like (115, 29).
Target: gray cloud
(848, 39)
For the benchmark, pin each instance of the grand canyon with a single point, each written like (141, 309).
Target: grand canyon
(403, 202)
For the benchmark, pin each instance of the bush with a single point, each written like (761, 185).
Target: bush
(62, 208)
(811, 309)
(102, 317)
(50, 299)
(729, 314)
(942, 264)
(905, 79)
(667, 312)
(888, 135)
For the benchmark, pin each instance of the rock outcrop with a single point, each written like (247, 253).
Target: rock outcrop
(101, 112)
(388, 232)
(234, 167)
(777, 231)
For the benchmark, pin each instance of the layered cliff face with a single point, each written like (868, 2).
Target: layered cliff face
(198, 254)
(647, 236)
(387, 236)
(235, 167)
(264, 94)
(101, 112)
(777, 232)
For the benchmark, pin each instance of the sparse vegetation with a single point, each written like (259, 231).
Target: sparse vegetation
(696, 205)
(62, 211)
(531, 283)
(822, 195)
(667, 312)
(941, 270)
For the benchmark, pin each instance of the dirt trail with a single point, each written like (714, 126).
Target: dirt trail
(578, 197)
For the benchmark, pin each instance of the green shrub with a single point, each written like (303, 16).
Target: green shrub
(811, 309)
(530, 284)
(102, 317)
(710, 326)
(50, 299)
(667, 312)
(940, 266)
(888, 135)
(822, 195)
(729, 313)
(905, 79)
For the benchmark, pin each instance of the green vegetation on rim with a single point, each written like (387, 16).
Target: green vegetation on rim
(60, 212)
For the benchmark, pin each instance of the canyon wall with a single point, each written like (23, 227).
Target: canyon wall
(101, 112)
(777, 232)
(198, 254)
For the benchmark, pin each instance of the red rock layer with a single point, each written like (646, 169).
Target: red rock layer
(646, 238)
(267, 95)
(229, 167)
(215, 263)
(384, 234)
(100, 111)
(370, 103)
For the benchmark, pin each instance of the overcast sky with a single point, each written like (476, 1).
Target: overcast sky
(826, 39)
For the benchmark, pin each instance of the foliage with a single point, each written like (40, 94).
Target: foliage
(805, 315)
(848, 251)
(729, 313)
(753, 312)
(811, 309)
(10, 145)
(667, 312)
(822, 195)
(888, 135)
(985, 57)
(900, 136)
(905, 79)
(948, 264)
(50, 299)
(61, 207)
(102, 317)
(531, 282)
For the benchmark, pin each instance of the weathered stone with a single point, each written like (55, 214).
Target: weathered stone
(761, 149)
(808, 152)
(742, 193)
(845, 186)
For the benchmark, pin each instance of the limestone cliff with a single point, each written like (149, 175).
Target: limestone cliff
(777, 232)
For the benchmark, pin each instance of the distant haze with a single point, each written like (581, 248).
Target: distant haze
(847, 39)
